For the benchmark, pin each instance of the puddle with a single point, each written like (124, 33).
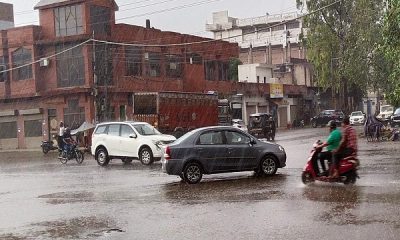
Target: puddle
(68, 197)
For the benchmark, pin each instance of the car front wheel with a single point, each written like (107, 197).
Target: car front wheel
(146, 156)
(268, 166)
(192, 173)
(102, 157)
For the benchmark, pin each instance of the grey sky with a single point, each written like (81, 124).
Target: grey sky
(186, 19)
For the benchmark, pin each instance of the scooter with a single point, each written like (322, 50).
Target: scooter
(73, 152)
(347, 169)
(48, 146)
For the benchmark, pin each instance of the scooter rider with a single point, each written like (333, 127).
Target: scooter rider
(68, 141)
(347, 147)
(331, 144)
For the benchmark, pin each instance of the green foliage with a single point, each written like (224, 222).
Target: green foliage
(343, 43)
(391, 49)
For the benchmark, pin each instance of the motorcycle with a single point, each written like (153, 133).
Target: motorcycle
(347, 169)
(48, 146)
(73, 152)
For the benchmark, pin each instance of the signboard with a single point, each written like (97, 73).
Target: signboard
(276, 90)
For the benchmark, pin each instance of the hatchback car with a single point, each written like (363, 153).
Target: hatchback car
(128, 141)
(220, 149)
(325, 116)
(357, 117)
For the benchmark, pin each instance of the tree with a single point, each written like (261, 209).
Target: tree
(343, 43)
(233, 69)
(391, 49)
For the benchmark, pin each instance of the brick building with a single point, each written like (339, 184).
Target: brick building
(81, 85)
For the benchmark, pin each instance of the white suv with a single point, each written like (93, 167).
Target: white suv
(128, 141)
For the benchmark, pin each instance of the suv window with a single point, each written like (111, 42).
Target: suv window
(233, 137)
(126, 131)
(113, 130)
(210, 138)
(101, 130)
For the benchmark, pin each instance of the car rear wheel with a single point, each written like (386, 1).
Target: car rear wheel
(146, 156)
(102, 157)
(192, 173)
(268, 166)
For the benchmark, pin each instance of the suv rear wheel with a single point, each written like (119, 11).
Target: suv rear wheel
(146, 156)
(102, 157)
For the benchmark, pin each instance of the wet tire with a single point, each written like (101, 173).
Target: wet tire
(45, 150)
(314, 124)
(102, 157)
(351, 178)
(146, 156)
(192, 173)
(79, 157)
(268, 166)
(307, 178)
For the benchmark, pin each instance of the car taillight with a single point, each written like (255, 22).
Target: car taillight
(167, 154)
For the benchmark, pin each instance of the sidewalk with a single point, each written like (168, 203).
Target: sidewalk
(20, 150)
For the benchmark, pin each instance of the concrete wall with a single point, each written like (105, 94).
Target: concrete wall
(249, 73)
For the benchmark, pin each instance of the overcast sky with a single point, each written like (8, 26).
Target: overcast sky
(185, 16)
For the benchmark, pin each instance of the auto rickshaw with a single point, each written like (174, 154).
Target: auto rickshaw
(262, 124)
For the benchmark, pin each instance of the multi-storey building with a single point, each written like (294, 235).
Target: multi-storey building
(271, 53)
(6, 16)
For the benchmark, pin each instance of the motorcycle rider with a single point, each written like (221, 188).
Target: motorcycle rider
(347, 147)
(331, 144)
(68, 141)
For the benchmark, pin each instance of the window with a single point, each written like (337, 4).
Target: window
(113, 130)
(70, 66)
(278, 28)
(145, 104)
(101, 130)
(236, 138)
(8, 130)
(126, 131)
(133, 56)
(100, 19)
(292, 25)
(68, 20)
(173, 67)
(21, 57)
(153, 64)
(194, 58)
(258, 79)
(74, 115)
(209, 68)
(146, 130)
(265, 79)
(3, 67)
(223, 71)
(33, 128)
(211, 138)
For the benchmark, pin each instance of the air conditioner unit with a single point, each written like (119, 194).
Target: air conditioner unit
(44, 62)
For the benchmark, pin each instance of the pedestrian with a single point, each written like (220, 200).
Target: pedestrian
(61, 132)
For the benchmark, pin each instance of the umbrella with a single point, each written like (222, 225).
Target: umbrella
(85, 126)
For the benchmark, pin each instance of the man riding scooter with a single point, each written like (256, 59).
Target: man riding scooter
(331, 144)
(347, 147)
(68, 141)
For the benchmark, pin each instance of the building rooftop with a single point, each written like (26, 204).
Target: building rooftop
(43, 3)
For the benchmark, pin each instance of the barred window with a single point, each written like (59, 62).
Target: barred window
(153, 64)
(21, 57)
(3, 67)
(210, 69)
(74, 115)
(70, 66)
(68, 20)
(174, 66)
(133, 56)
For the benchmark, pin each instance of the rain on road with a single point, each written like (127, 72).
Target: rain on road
(42, 199)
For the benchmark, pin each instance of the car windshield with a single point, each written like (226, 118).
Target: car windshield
(387, 109)
(397, 111)
(356, 114)
(146, 129)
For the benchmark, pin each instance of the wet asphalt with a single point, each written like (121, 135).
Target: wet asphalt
(42, 199)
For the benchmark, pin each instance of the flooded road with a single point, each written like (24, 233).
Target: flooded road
(42, 199)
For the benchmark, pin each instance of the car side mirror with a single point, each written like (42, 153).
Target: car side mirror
(132, 136)
(252, 141)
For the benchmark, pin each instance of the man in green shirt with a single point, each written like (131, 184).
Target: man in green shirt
(331, 144)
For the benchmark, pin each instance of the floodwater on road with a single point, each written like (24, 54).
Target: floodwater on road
(42, 199)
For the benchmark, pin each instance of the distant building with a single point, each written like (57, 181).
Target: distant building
(6, 16)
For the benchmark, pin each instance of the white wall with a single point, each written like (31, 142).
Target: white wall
(249, 72)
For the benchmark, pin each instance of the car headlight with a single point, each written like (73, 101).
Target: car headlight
(281, 148)
(157, 143)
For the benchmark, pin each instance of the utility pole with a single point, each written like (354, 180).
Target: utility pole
(96, 120)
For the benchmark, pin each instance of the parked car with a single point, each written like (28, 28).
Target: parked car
(395, 118)
(325, 116)
(357, 117)
(239, 123)
(385, 113)
(128, 141)
(220, 149)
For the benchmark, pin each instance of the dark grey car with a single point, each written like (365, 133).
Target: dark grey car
(220, 149)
